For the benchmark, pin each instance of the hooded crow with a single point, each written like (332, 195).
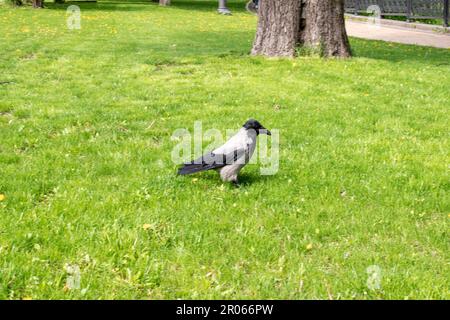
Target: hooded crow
(231, 157)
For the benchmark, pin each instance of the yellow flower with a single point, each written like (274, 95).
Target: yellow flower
(146, 226)
(309, 246)
(2, 197)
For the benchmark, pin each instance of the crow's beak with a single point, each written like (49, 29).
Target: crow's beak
(265, 131)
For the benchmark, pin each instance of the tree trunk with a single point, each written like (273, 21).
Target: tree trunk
(323, 28)
(162, 2)
(287, 25)
(278, 28)
(38, 4)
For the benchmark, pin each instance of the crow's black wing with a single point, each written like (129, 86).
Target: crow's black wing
(211, 161)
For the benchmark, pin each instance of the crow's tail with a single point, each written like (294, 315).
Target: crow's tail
(193, 168)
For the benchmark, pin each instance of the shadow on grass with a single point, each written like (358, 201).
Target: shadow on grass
(395, 52)
(245, 179)
(103, 6)
(206, 43)
(238, 44)
(208, 5)
(204, 6)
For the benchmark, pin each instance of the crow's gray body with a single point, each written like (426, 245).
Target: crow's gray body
(243, 144)
(231, 157)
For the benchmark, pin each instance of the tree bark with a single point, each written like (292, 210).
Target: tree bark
(38, 4)
(278, 28)
(287, 25)
(323, 28)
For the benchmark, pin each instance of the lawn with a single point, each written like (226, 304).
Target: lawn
(87, 181)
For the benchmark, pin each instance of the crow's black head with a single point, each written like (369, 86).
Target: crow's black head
(253, 124)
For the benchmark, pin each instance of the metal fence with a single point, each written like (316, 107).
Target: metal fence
(411, 9)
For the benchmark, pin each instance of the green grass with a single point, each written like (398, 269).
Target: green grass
(88, 114)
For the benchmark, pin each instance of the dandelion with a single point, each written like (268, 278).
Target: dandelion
(2, 197)
(146, 226)
(309, 246)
